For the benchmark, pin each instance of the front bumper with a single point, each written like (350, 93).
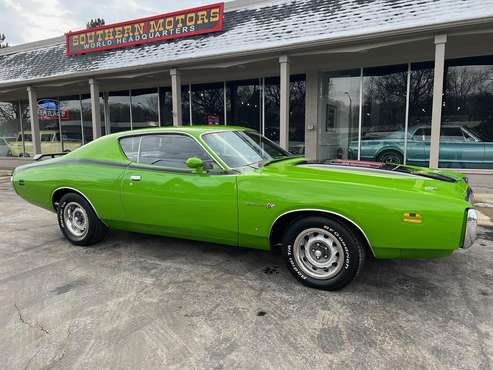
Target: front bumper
(471, 228)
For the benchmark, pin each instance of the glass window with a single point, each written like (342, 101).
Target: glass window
(466, 135)
(10, 130)
(272, 101)
(166, 102)
(49, 124)
(244, 103)
(185, 105)
(384, 114)
(340, 115)
(171, 151)
(70, 120)
(420, 109)
(145, 108)
(243, 148)
(119, 106)
(297, 115)
(87, 117)
(130, 146)
(208, 104)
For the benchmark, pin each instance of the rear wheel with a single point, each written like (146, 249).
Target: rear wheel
(78, 221)
(390, 157)
(322, 253)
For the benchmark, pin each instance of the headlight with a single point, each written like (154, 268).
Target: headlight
(471, 228)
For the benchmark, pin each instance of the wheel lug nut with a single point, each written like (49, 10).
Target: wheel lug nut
(326, 256)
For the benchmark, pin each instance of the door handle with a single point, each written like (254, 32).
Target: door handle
(135, 178)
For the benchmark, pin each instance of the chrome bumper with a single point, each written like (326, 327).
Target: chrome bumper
(471, 228)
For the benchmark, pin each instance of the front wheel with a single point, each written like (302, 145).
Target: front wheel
(78, 221)
(390, 157)
(322, 253)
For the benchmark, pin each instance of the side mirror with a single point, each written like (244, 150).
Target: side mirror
(195, 163)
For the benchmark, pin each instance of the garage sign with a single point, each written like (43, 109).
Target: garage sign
(169, 26)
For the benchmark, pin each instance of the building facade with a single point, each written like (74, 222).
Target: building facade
(402, 81)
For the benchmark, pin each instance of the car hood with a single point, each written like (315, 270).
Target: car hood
(411, 178)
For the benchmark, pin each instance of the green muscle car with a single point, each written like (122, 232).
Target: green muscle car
(232, 186)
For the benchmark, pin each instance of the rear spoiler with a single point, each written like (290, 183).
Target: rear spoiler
(40, 157)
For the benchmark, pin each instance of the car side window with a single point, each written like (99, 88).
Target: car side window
(130, 146)
(452, 134)
(168, 150)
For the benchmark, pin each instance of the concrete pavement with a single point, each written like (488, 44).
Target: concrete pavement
(136, 301)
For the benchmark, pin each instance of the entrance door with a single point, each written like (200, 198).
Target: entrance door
(160, 194)
(339, 115)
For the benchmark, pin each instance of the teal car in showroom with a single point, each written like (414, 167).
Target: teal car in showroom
(460, 147)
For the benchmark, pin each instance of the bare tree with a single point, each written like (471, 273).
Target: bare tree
(96, 22)
(3, 43)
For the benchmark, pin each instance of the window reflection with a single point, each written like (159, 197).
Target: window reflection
(166, 106)
(244, 97)
(10, 130)
(72, 136)
(466, 135)
(119, 107)
(145, 108)
(384, 114)
(208, 104)
(340, 115)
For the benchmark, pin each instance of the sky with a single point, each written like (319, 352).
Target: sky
(31, 20)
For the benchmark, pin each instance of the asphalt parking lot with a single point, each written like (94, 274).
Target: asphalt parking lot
(137, 301)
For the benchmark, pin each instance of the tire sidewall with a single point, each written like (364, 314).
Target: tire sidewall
(349, 244)
(71, 198)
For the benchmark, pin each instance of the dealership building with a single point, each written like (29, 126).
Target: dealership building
(403, 81)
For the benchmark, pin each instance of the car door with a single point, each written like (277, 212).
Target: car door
(418, 146)
(160, 194)
(458, 149)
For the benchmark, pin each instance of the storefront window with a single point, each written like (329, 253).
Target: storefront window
(466, 135)
(244, 103)
(10, 130)
(166, 106)
(297, 115)
(272, 100)
(49, 125)
(119, 107)
(340, 115)
(145, 108)
(208, 104)
(384, 114)
(420, 109)
(185, 105)
(87, 117)
(70, 120)
(24, 140)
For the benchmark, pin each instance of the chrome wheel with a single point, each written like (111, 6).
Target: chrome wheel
(318, 253)
(76, 220)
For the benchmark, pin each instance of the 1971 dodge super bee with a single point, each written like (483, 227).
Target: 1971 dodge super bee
(232, 186)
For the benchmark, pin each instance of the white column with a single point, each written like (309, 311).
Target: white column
(176, 96)
(33, 107)
(284, 114)
(95, 108)
(312, 133)
(436, 116)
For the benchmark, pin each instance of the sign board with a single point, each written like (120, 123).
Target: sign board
(213, 119)
(169, 26)
(50, 109)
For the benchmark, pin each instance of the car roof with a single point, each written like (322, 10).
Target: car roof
(197, 130)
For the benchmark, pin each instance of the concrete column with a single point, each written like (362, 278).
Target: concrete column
(176, 96)
(312, 101)
(95, 108)
(284, 114)
(436, 116)
(33, 108)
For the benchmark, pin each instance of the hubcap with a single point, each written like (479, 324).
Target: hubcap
(75, 219)
(318, 253)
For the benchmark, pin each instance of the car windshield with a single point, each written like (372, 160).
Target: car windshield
(244, 148)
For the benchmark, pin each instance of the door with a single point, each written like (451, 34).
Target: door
(458, 149)
(418, 147)
(161, 195)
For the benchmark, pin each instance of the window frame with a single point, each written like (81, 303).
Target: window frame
(221, 170)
